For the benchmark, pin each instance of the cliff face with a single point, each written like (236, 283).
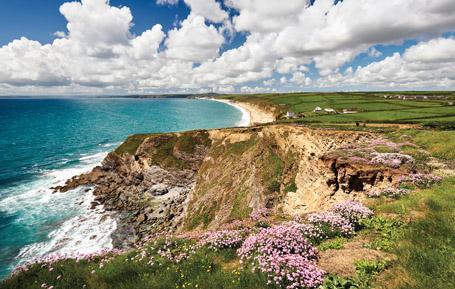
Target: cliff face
(204, 179)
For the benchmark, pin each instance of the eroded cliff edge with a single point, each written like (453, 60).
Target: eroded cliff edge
(206, 179)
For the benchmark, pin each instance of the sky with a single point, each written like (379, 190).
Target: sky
(101, 47)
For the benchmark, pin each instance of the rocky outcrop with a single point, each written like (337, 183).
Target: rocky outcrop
(204, 179)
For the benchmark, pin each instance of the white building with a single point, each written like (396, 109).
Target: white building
(330, 110)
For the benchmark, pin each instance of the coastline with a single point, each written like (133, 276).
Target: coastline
(252, 115)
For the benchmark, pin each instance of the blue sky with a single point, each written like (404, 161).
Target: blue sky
(237, 46)
(39, 19)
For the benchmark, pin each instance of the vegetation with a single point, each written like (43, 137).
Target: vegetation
(369, 107)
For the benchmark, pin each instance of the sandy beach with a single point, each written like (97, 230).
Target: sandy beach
(252, 115)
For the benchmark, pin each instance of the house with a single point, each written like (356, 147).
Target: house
(317, 109)
(290, 115)
(330, 110)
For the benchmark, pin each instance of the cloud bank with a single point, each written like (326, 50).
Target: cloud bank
(285, 41)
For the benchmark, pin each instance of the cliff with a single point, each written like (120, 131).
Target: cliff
(206, 179)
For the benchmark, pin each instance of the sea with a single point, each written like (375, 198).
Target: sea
(44, 142)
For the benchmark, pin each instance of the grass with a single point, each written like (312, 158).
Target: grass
(336, 243)
(425, 248)
(371, 107)
(130, 145)
(204, 270)
(366, 271)
(439, 144)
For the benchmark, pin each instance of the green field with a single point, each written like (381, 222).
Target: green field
(370, 107)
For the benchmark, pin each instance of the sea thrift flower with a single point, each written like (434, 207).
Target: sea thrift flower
(356, 159)
(309, 231)
(284, 254)
(395, 193)
(332, 224)
(393, 160)
(259, 214)
(277, 241)
(223, 239)
(420, 180)
(292, 271)
(353, 211)
(374, 193)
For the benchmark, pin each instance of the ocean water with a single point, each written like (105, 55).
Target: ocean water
(43, 142)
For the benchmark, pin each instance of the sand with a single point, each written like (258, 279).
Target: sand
(252, 115)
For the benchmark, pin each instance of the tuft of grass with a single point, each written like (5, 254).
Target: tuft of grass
(337, 243)
(366, 273)
(291, 187)
(385, 232)
(426, 249)
(240, 208)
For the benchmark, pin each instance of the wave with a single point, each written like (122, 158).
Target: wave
(61, 222)
(108, 145)
(85, 233)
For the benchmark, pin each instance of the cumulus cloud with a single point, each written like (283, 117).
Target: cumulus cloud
(210, 9)
(427, 64)
(194, 41)
(99, 54)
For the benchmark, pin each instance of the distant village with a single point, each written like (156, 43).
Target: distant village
(319, 110)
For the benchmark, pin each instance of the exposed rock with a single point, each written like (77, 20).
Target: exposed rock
(204, 179)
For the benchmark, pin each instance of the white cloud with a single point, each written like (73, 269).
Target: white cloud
(59, 34)
(427, 64)
(99, 54)
(194, 40)
(373, 52)
(299, 78)
(210, 9)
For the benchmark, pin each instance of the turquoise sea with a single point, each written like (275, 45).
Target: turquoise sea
(43, 142)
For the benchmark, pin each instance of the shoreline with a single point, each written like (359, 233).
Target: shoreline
(252, 115)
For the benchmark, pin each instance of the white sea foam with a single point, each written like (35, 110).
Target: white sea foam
(85, 233)
(108, 145)
(71, 225)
